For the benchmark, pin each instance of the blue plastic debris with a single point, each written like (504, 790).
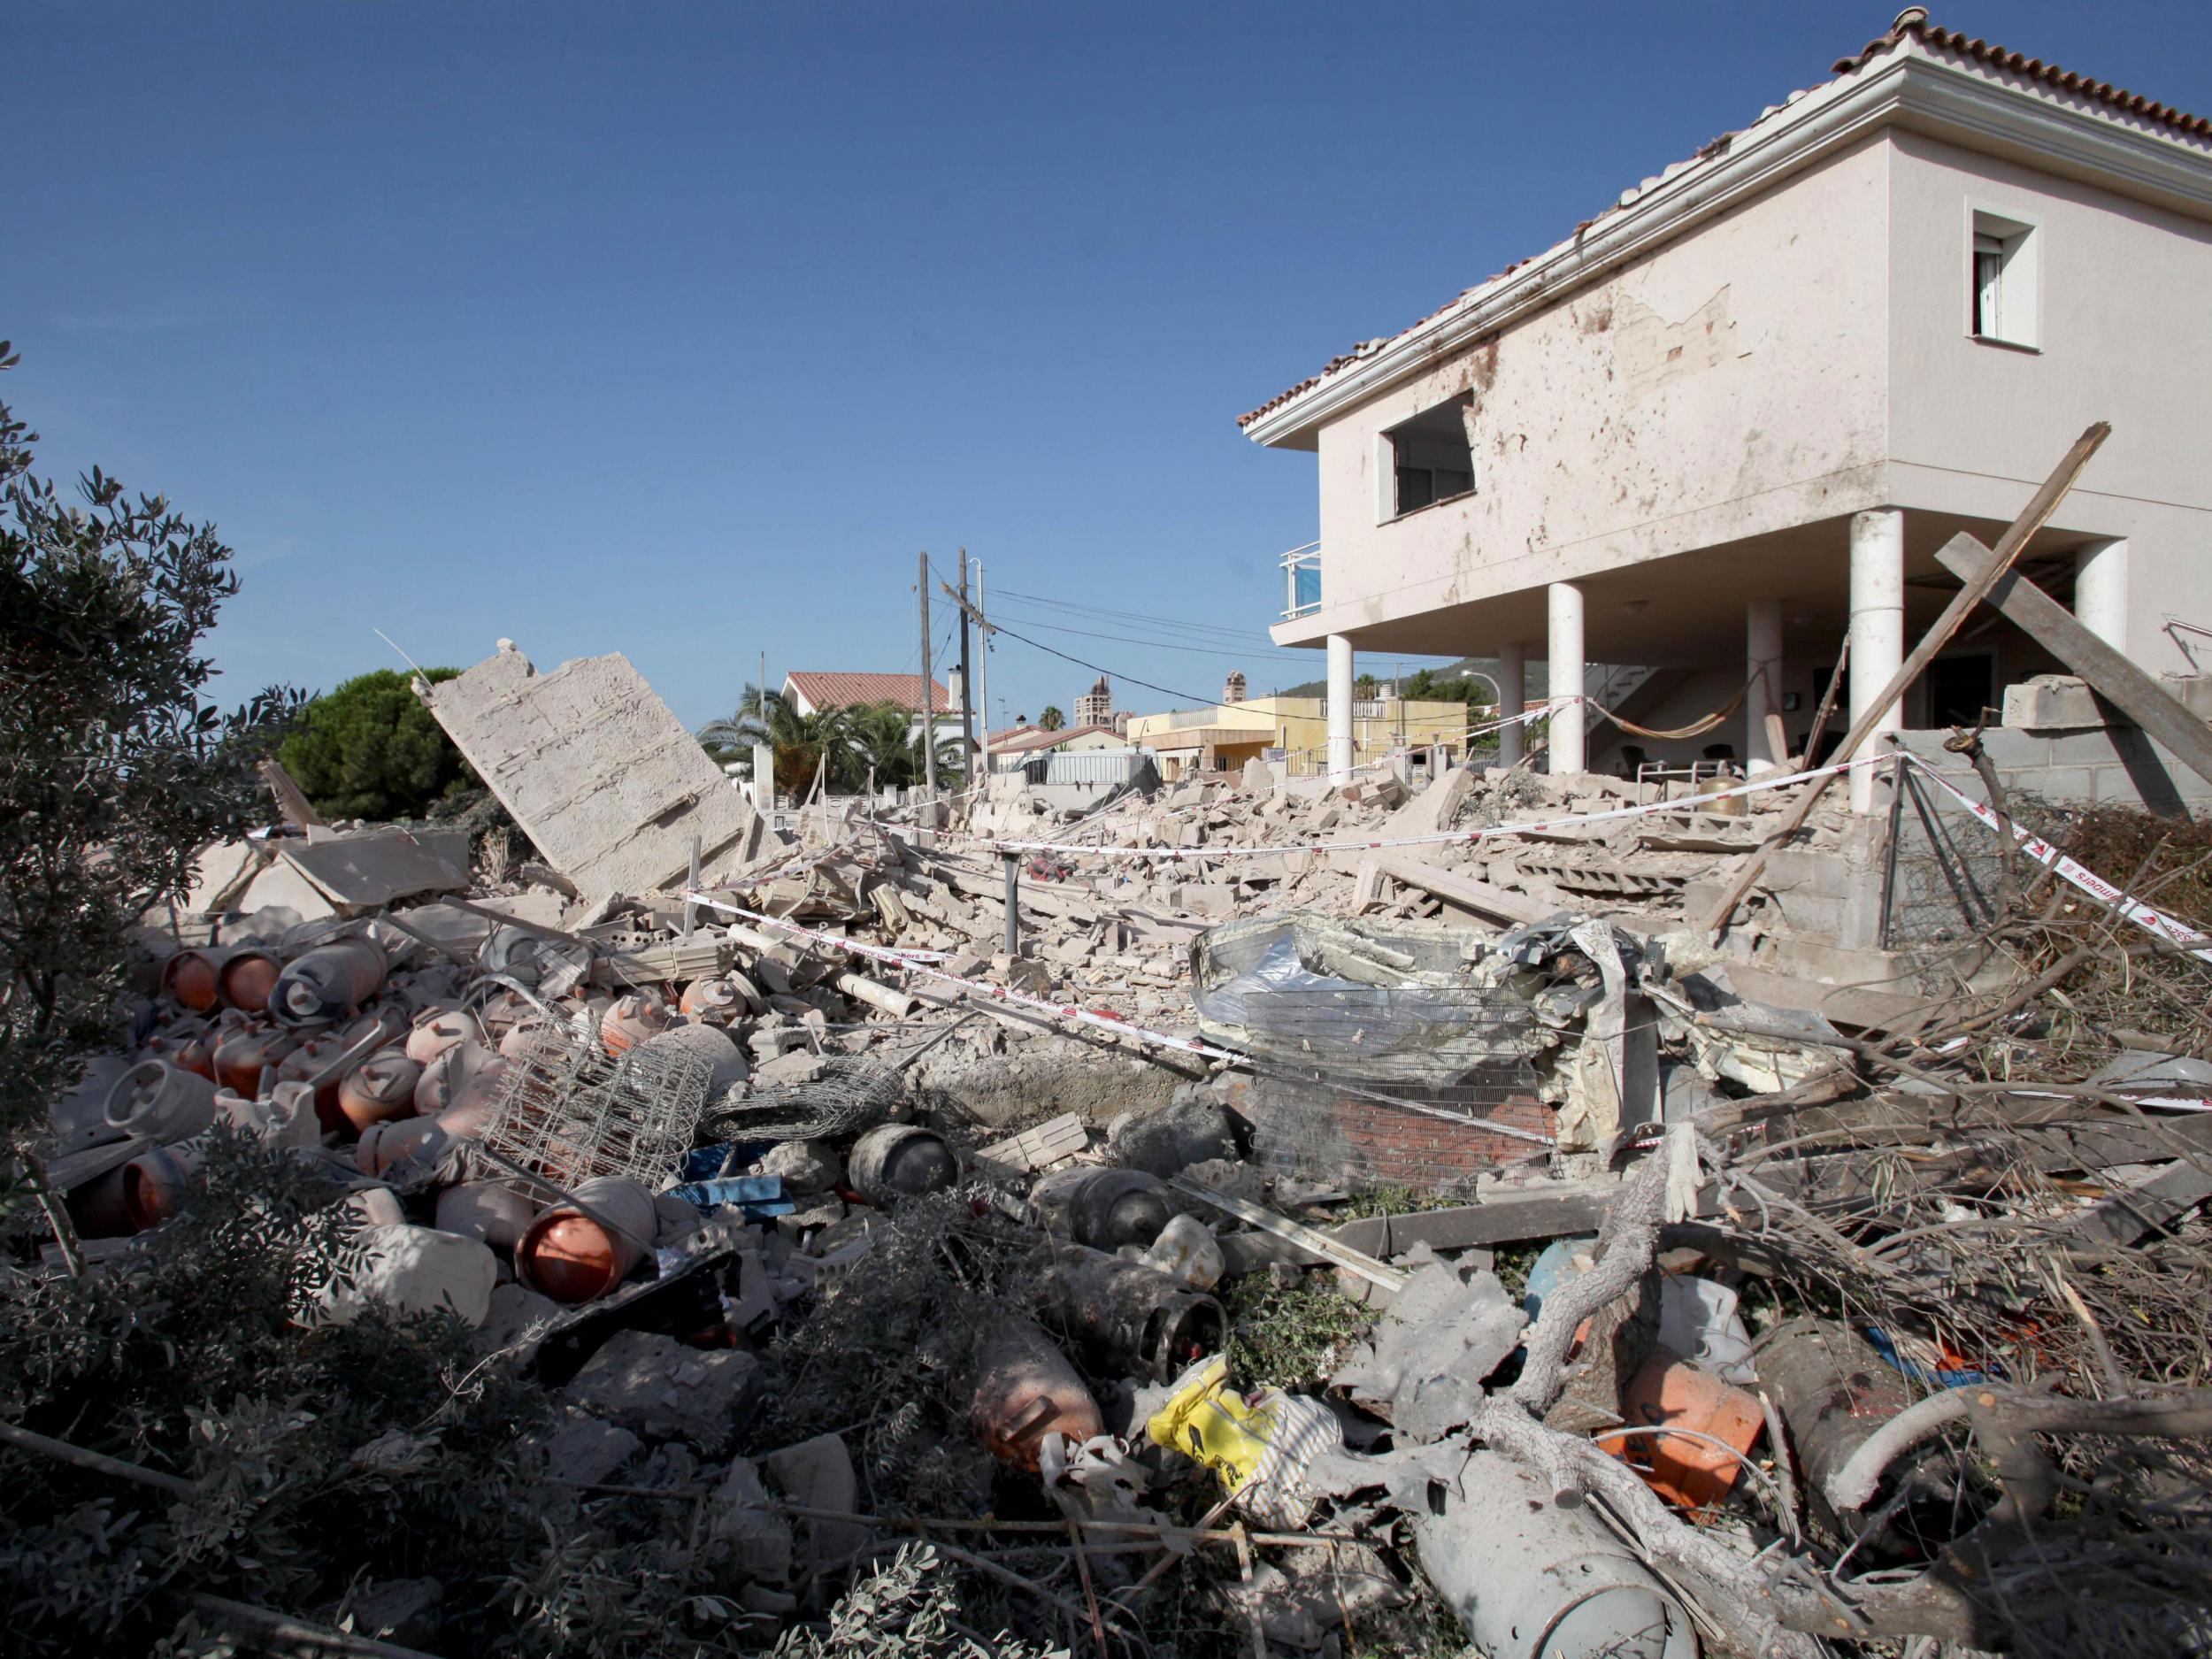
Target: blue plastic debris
(755, 1197)
(1933, 1375)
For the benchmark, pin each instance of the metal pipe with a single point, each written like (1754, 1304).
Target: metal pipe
(1013, 911)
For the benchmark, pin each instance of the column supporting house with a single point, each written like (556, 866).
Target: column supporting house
(1339, 709)
(1512, 697)
(1763, 696)
(2101, 590)
(1878, 631)
(1565, 666)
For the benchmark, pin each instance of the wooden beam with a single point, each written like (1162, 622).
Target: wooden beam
(2134, 693)
(2033, 518)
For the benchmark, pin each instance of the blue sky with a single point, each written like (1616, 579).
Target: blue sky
(679, 330)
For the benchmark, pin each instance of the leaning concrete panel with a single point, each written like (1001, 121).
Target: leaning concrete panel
(597, 770)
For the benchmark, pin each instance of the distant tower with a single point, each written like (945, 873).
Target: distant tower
(1098, 708)
(1234, 691)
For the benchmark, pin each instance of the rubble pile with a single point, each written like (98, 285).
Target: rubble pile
(1743, 1327)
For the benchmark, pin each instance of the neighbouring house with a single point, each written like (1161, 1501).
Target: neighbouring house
(1018, 745)
(812, 691)
(1734, 414)
(1224, 735)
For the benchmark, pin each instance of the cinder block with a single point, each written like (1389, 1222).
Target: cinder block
(2051, 701)
(2194, 692)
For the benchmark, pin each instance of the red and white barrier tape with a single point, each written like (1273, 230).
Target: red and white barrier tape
(1756, 785)
(2197, 943)
(1102, 1020)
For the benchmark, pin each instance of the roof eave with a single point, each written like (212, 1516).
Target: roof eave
(1910, 86)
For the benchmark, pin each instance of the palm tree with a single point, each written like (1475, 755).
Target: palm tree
(1051, 719)
(800, 740)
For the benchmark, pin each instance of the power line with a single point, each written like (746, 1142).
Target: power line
(1178, 624)
(1223, 652)
(1191, 697)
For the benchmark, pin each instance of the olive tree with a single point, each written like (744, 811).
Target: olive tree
(114, 765)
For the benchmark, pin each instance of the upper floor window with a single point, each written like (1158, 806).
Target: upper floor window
(1430, 458)
(2003, 304)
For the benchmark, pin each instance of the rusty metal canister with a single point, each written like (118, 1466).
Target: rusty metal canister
(434, 1030)
(446, 1075)
(247, 977)
(715, 1001)
(310, 1061)
(1833, 1393)
(574, 1256)
(630, 1021)
(154, 1182)
(328, 983)
(1021, 1388)
(193, 977)
(1104, 1208)
(381, 1087)
(249, 1050)
(1131, 1317)
(895, 1161)
(162, 1102)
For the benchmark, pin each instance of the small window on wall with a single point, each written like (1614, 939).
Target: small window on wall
(2004, 303)
(1430, 458)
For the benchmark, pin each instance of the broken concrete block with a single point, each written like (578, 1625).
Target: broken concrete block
(805, 1167)
(1259, 778)
(818, 1474)
(583, 1451)
(1020, 973)
(1216, 899)
(794, 1069)
(2052, 701)
(601, 776)
(515, 1311)
(656, 1387)
(739, 1513)
(2194, 692)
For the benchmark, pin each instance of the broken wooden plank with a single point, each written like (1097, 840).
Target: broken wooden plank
(1464, 891)
(2127, 687)
(2033, 518)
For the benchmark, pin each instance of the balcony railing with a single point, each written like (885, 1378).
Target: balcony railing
(1302, 572)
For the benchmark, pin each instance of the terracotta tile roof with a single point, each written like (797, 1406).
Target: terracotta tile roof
(1032, 737)
(845, 691)
(1912, 24)
(1999, 58)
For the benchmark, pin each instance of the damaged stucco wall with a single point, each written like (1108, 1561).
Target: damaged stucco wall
(2120, 337)
(1730, 384)
(597, 770)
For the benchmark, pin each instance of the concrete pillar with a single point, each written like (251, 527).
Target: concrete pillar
(1564, 664)
(1878, 630)
(763, 778)
(2101, 590)
(1762, 663)
(1512, 692)
(1339, 709)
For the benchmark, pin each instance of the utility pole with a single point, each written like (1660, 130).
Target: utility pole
(982, 688)
(928, 699)
(967, 684)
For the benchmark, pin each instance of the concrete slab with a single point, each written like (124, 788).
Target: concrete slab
(597, 771)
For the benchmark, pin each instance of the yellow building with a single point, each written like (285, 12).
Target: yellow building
(1222, 736)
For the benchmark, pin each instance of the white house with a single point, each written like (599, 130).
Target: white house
(1735, 412)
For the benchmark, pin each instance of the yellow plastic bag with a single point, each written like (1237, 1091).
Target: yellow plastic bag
(1260, 1444)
